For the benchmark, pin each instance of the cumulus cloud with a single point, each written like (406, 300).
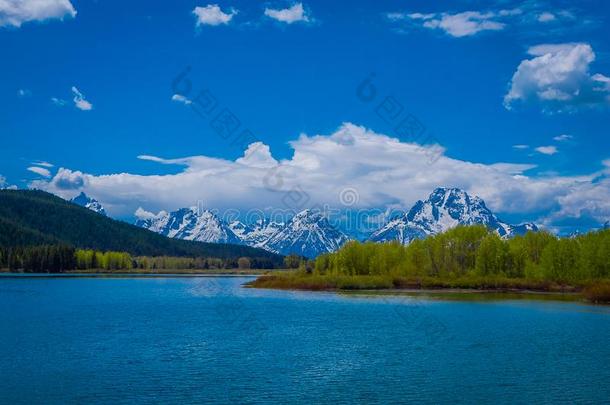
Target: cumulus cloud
(289, 15)
(64, 180)
(463, 24)
(141, 213)
(512, 168)
(547, 150)
(41, 171)
(213, 15)
(79, 100)
(563, 138)
(546, 17)
(258, 155)
(558, 78)
(385, 172)
(16, 12)
(5, 186)
(181, 99)
(591, 201)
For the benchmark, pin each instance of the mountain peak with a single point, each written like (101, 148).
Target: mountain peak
(85, 201)
(444, 209)
(308, 234)
(308, 216)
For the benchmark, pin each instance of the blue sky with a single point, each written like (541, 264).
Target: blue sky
(87, 88)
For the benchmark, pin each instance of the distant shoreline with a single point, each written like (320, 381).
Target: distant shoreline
(142, 274)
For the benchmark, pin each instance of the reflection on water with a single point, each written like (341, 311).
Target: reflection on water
(210, 340)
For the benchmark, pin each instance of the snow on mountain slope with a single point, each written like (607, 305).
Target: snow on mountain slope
(187, 223)
(444, 209)
(310, 234)
(85, 201)
(307, 234)
(256, 234)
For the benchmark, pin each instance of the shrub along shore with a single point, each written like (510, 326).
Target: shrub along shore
(466, 257)
(66, 259)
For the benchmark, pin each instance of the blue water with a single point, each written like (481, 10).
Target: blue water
(207, 340)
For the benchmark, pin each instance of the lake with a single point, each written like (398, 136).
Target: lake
(207, 339)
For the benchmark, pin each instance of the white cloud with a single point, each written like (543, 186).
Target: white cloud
(563, 138)
(591, 200)
(258, 155)
(547, 150)
(521, 146)
(16, 12)
(141, 213)
(546, 17)
(181, 99)
(213, 15)
(79, 100)
(289, 15)
(58, 101)
(462, 24)
(512, 168)
(395, 16)
(384, 171)
(510, 12)
(40, 171)
(465, 24)
(22, 93)
(558, 78)
(5, 186)
(42, 163)
(528, 16)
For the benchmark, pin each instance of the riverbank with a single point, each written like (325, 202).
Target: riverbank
(145, 272)
(596, 291)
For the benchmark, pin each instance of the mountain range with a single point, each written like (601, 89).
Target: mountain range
(309, 232)
(306, 234)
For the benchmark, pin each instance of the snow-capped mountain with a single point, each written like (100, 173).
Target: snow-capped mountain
(189, 224)
(307, 234)
(256, 234)
(85, 201)
(444, 209)
(310, 234)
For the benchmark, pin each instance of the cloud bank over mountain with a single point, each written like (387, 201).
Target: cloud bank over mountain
(383, 171)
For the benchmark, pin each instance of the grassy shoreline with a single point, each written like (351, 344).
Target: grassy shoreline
(595, 291)
(469, 295)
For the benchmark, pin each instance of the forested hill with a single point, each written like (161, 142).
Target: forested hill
(29, 217)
